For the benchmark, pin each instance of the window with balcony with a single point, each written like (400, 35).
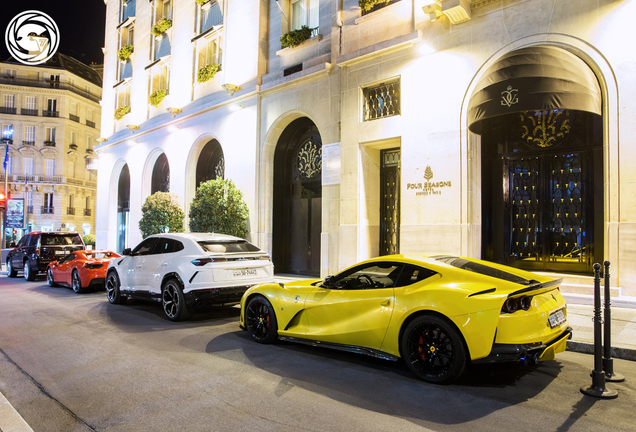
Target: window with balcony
(89, 118)
(51, 108)
(210, 59)
(159, 83)
(47, 208)
(49, 137)
(73, 144)
(9, 105)
(31, 106)
(161, 22)
(54, 81)
(29, 135)
(126, 48)
(28, 197)
(210, 15)
(87, 208)
(368, 6)
(89, 145)
(10, 73)
(382, 100)
(72, 115)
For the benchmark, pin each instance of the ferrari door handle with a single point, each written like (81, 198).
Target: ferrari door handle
(385, 303)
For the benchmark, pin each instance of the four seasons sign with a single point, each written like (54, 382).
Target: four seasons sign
(428, 187)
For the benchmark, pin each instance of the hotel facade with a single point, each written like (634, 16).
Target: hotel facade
(494, 129)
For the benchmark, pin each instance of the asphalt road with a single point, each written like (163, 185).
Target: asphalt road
(72, 362)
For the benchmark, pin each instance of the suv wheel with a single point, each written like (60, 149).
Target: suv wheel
(173, 301)
(28, 273)
(112, 289)
(11, 271)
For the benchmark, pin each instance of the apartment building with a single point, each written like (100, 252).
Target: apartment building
(496, 129)
(50, 116)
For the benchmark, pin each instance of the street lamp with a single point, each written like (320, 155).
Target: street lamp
(7, 138)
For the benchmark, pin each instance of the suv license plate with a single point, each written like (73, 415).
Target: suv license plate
(64, 252)
(246, 272)
(557, 318)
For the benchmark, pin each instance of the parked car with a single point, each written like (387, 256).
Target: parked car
(185, 270)
(80, 270)
(435, 312)
(38, 249)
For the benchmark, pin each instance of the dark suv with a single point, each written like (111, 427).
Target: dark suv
(37, 249)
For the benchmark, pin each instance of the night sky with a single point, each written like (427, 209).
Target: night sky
(81, 24)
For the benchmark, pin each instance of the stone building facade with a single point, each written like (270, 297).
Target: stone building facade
(51, 113)
(496, 129)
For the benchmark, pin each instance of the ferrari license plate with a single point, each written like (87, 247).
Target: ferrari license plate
(556, 318)
(246, 272)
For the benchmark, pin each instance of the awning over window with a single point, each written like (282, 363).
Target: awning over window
(532, 79)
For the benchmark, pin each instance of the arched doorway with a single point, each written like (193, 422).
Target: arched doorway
(538, 111)
(160, 175)
(297, 209)
(123, 208)
(211, 163)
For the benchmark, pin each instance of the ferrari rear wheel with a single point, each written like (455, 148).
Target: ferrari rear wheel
(174, 303)
(112, 289)
(260, 320)
(76, 282)
(433, 349)
(49, 278)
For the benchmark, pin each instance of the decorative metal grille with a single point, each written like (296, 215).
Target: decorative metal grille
(390, 202)
(382, 100)
(219, 169)
(544, 128)
(567, 233)
(309, 160)
(525, 196)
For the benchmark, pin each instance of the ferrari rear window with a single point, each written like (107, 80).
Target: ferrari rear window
(61, 240)
(228, 247)
(483, 269)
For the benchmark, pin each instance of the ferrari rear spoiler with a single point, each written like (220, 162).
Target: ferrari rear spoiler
(539, 288)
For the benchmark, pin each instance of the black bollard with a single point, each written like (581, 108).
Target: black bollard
(598, 377)
(608, 361)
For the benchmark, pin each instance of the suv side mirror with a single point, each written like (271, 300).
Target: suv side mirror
(126, 252)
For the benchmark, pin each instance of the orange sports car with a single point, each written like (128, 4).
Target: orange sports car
(80, 270)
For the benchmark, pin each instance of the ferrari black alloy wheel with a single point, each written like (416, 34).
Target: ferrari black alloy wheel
(112, 289)
(49, 278)
(260, 320)
(76, 282)
(173, 301)
(433, 349)
(11, 271)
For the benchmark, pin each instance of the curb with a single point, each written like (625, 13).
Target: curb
(588, 348)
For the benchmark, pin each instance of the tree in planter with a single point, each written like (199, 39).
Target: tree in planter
(156, 98)
(121, 112)
(161, 213)
(218, 206)
(89, 240)
(206, 73)
(295, 37)
(160, 28)
(125, 52)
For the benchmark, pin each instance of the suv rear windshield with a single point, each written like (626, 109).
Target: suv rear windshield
(228, 247)
(61, 240)
(483, 269)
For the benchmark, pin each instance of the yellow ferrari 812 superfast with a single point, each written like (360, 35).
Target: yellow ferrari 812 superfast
(436, 312)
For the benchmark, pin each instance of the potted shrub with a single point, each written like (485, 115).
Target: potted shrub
(367, 5)
(295, 37)
(206, 73)
(218, 206)
(89, 240)
(161, 27)
(125, 52)
(161, 213)
(156, 98)
(121, 112)
(202, 2)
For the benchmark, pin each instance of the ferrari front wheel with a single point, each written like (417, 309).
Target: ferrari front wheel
(433, 349)
(260, 320)
(49, 278)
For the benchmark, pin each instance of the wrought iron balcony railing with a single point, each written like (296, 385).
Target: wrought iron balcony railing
(46, 113)
(70, 211)
(72, 146)
(29, 143)
(49, 143)
(26, 82)
(46, 210)
(90, 123)
(87, 212)
(7, 110)
(29, 112)
(74, 118)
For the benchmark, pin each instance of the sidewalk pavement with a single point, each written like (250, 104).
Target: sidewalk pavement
(10, 420)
